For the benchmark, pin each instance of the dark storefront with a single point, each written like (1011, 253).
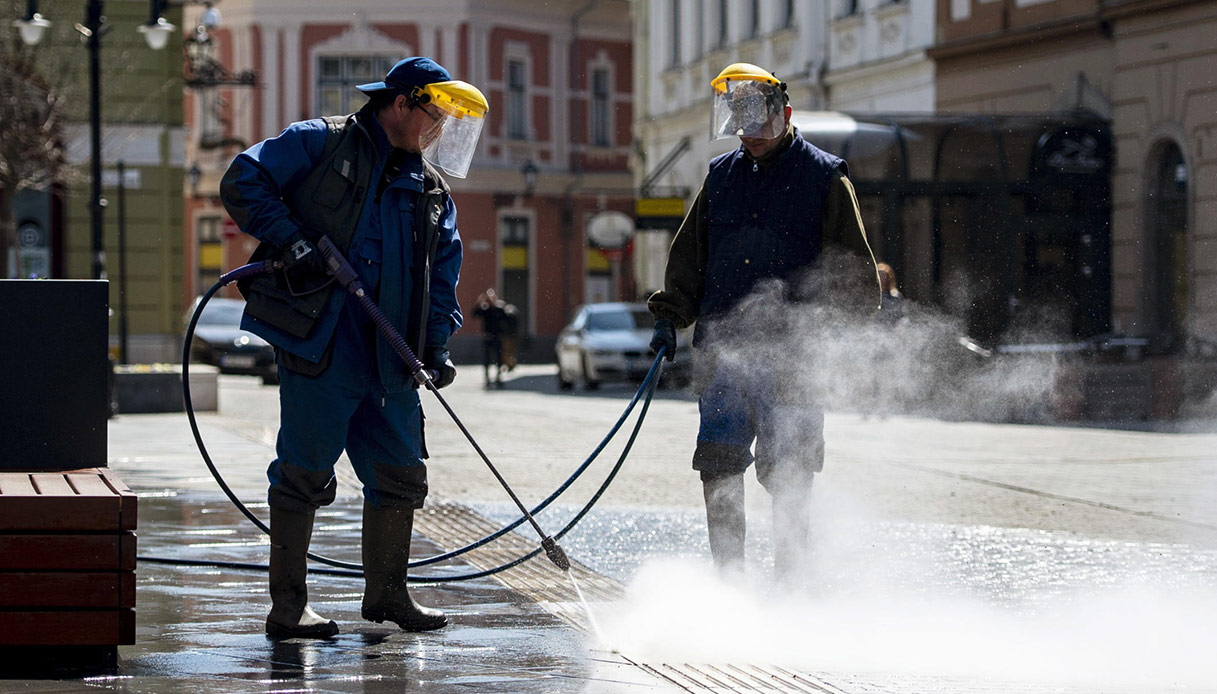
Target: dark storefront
(1004, 221)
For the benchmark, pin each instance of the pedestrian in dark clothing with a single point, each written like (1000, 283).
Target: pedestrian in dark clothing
(369, 182)
(763, 214)
(493, 312)
(511, 336)
(891, 301)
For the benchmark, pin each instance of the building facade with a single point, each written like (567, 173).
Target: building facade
(554, 152)
(1148, 68)
(877, 60)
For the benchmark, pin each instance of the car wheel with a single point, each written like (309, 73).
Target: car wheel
(270, 378)
(563, 382)
(588, 382)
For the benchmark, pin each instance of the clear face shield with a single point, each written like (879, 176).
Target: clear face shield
(450, 142)
(747, 108)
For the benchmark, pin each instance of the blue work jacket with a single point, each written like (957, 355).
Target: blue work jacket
(382, 248)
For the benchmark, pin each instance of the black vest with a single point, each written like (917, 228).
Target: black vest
(330, 201)
(763, 224)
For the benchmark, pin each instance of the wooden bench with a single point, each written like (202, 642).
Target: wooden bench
(67, 559)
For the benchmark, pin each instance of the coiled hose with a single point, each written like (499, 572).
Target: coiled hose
(342, 568)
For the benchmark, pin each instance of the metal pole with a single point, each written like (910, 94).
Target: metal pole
(93, 22)
(122, 263)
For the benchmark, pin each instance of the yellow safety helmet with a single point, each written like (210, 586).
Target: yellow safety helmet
(458, 98)
(743, 71)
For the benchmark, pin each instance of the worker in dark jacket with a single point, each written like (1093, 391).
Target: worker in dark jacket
(368, 182)
(765, 212)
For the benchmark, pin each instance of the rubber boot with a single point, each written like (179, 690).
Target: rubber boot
(290, 616)
(791, 537)
(726, 522)
(386, 553)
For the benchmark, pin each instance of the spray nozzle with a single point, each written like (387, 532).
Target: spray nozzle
(555, 553)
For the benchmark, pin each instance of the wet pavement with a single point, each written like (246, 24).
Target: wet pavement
(950, 557)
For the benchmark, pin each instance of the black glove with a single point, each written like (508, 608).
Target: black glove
(301, 256)
(664, 336)
(435, 358)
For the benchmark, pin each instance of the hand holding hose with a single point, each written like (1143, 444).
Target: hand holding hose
(301, 255)
(437, 361)
(664, 337)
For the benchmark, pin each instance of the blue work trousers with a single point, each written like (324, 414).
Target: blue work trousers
(346, 407)
(743, 403)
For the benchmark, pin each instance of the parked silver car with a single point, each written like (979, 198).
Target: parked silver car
(610, 341)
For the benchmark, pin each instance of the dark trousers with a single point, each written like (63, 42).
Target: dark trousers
(492, 355)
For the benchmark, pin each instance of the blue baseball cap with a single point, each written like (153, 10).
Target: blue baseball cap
(408, 74)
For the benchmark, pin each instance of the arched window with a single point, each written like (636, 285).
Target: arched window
(1166, 227)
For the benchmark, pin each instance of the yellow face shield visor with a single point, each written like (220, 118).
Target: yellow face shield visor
(463, 112)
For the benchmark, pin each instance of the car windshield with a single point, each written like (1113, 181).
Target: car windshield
(619, 320)
(222, 314)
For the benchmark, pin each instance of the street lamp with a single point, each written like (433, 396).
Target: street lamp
(529, 172)
(156, 32)
(194, 174)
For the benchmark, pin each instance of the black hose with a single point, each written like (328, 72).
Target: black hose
(353, 569)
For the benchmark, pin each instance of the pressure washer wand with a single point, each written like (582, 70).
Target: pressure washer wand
(345, 274)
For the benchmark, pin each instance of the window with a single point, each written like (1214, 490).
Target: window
(601, 135)
(337, 77)
(517, 114)
(674, 56)
(1166, 204)
(849, 7)
(754, 18)
(722, 24)
(788, 14)
(699, 25)
(513, 263)
(210, 257)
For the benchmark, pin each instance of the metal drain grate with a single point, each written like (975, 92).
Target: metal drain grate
(453, 525)
(737, 678)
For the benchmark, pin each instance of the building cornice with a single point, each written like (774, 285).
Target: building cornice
(1046, 31)
(875, 67)
(1097, 23)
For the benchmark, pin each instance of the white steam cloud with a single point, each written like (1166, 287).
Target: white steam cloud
(676, 611)
(825, 338)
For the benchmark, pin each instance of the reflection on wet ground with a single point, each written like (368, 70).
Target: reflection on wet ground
(200, 626)
(1006, 567)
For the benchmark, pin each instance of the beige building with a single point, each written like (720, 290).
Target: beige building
(1150, 69)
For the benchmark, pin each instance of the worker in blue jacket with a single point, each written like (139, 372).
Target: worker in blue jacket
(369, 182)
